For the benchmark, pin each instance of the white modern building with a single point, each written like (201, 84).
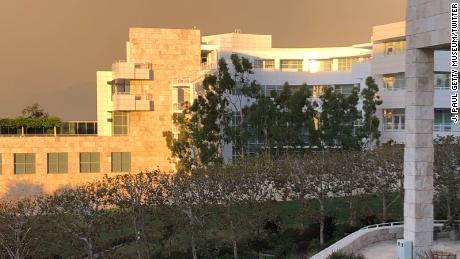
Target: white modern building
(343, 68)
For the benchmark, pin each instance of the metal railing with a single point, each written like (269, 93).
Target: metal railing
(194, 76)
(346, 241)
(148, 97)
(69, 128)
(445, 127)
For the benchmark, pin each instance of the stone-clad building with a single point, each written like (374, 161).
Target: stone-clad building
(134, 108)
(164, 69)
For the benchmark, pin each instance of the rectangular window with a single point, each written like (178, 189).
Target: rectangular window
(24, 163)
(121, 162)
(394, 82)
(394, 47)
(264, 64)
(346, 64)
(57, 163)
(442, 121)
(323, 65)
(317, 90)
(1, 164)
(90, 162)
(344, 89)
(120, 122)
(269, 89)
(293, 65)
(394, 119)
(441, 80)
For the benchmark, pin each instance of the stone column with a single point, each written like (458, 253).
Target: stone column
(418, 154)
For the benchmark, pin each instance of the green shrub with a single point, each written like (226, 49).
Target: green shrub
(342, 255)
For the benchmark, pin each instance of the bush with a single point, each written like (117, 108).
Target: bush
(437, 255)
(312, 231)
(369, 220)
(343, 230)
(342, 255)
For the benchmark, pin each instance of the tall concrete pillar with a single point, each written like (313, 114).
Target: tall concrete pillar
(418, 154)
(427, 29)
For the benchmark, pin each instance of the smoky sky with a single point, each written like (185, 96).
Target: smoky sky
(51, 49)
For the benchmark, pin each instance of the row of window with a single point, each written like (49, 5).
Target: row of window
(395, 120)
(394, 47)
(397, 81)
(316, 90)
(66, 128)
(319, 65)
(24, 163)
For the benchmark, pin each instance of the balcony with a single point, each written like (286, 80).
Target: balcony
(67, 128)
(135, 71)
(132, 102)
(446, 127)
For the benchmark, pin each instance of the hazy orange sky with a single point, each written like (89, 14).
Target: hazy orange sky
(51, 49)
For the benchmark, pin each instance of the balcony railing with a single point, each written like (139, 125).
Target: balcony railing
(125, 101)
(397, 84)
(125, 70)
(69, 128)
(189, 78)
(446, 127)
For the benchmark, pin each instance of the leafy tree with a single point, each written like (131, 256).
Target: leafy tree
(385, 167)
(281, 121)
(19, 227)
(80, 212)
(206, 125)
(446, 174)
(370, 129)
(34, 111)
(191, 195)
(313, 177)
(353, 179)
(141, 194)
(337, 119)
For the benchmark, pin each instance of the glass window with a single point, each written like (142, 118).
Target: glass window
(393, 82)
(121, 161)
(323, 65)
(1, 164)
(291, 65)
(442, 120)
(345, 64)
(24, 163)
(120, 122)
(236, 119)
(394, 119)
(441, 80)
(89, 162)
(317, 90)
(265, 64)
(394, 47)
(57, 163)
(344, 89)
(269, 89)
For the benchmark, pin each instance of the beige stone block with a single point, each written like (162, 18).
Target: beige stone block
(421, 112)
(415, 182)
(419, 140)
(419, 98)
(418, 196)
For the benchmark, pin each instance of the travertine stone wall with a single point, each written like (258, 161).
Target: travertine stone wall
(171, 51)
(427, 28)
(13, 185)
(418, 156)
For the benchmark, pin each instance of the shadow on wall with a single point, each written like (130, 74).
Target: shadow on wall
(16, 191)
